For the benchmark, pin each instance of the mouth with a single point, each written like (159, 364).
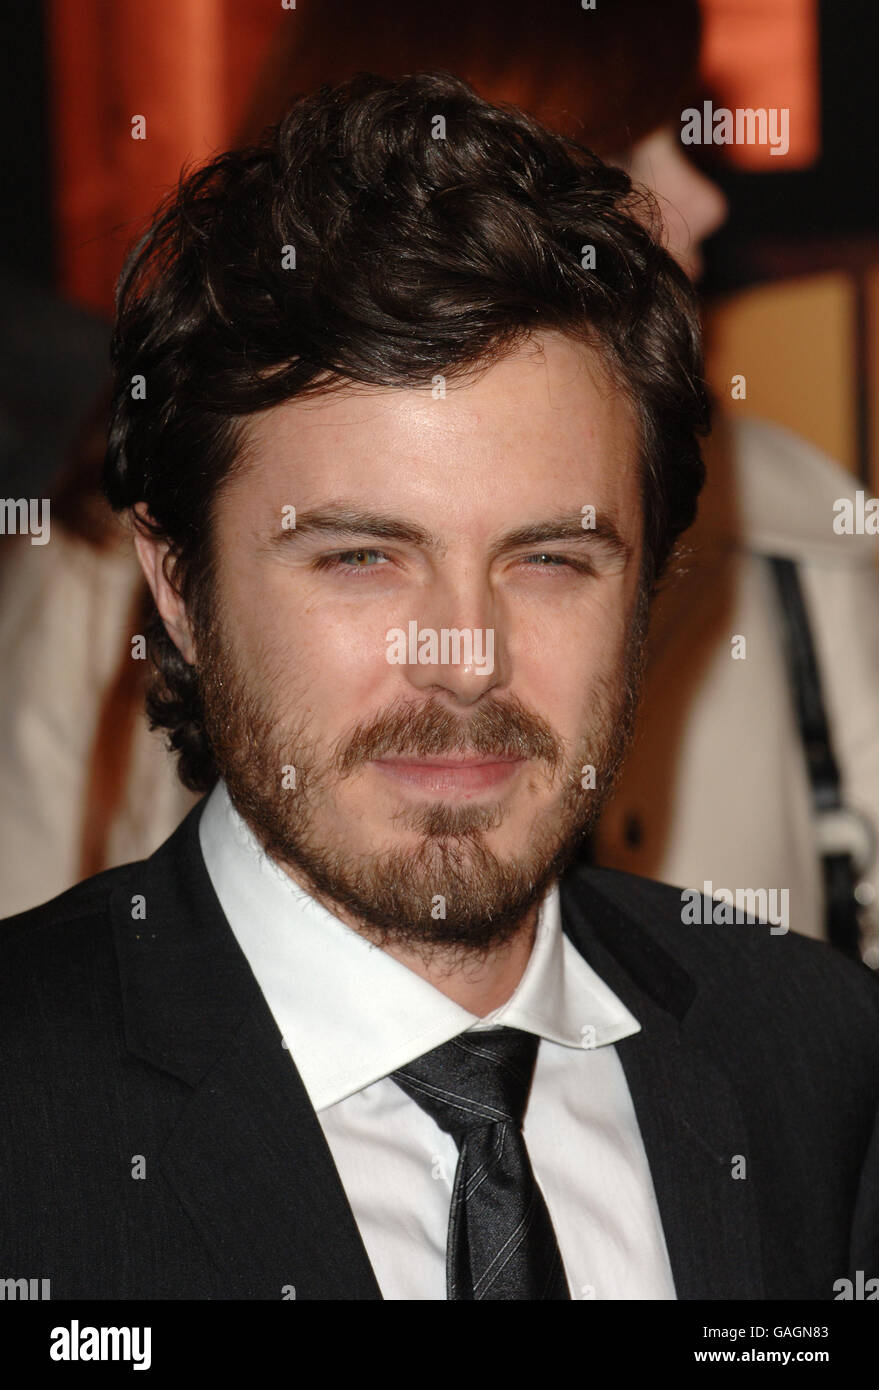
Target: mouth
(452, 775)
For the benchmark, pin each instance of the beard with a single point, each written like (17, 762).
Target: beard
(448, 893)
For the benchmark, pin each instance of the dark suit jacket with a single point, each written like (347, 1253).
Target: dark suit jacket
(143, 1044)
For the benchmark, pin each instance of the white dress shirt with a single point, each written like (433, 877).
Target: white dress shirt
(351, 1014)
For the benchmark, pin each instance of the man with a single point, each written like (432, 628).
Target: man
(406, 415)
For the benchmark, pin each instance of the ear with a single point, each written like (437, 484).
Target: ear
(152, 554)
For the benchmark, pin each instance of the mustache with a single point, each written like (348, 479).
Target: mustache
(504, 729)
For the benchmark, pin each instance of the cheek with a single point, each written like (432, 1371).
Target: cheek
(320, 659)
(561, 663)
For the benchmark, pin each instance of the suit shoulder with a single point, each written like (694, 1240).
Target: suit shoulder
(742, 956)
(63, 924)
(641, 898)
(60, 995)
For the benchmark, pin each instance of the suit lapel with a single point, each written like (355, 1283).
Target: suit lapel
(690, 1121)
(247, 1159)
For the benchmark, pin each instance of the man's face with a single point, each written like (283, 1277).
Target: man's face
(406, 689)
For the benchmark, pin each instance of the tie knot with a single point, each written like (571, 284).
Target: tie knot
(474, 1080)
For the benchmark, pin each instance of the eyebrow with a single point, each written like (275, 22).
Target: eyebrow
(350, 521)
(567, 528)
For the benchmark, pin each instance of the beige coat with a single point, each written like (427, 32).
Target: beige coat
(65, 622)
(715, 788)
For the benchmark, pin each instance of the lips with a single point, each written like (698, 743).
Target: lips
(452, 760)
(451, 773)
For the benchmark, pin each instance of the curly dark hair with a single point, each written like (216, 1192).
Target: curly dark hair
(414, 256)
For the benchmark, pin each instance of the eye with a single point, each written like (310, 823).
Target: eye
(545, 560)
(352, 560)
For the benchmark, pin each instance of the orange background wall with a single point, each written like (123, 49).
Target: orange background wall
(188, 67)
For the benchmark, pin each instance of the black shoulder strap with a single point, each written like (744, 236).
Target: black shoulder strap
(840, 877)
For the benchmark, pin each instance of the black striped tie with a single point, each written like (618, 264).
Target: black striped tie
(501, 1242)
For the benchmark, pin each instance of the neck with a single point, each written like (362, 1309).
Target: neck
(480, 983)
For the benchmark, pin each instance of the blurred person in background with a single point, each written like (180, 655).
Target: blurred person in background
(84, 783)
(718, 786)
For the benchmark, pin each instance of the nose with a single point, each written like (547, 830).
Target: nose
(453, 647)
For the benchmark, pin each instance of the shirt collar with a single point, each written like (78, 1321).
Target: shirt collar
(349, 1012)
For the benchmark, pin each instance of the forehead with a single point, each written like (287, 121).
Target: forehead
(541, 429)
